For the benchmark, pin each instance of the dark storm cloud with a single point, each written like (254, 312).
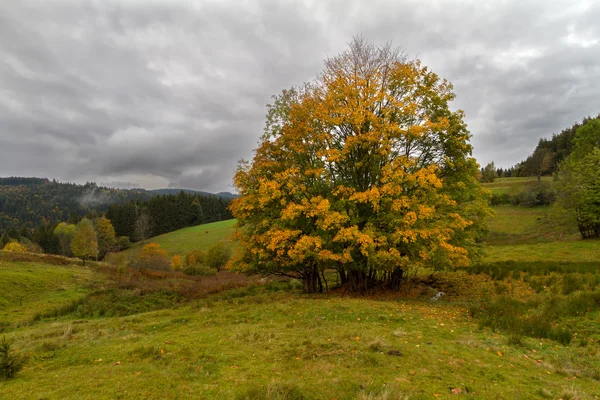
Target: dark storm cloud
(173, 93)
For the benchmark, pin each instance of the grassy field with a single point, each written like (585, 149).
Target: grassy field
(260, 344)
(29, 287)
(200, 237)
(513, 185)
(522, 323)
(531, 234)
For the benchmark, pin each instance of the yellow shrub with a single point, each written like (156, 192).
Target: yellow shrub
(176, 263)
(195, 257)
(15, 247)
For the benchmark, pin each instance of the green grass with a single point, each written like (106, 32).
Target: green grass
(513, 185)
(277, 344)
(27, 288)
(529, 330)
(530, 234)
(200, 237)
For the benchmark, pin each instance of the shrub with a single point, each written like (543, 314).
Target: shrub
(195, 257)
(199, 270)
(10, 363)
(176, 263)
(123, 242)
(218, 256)
(153, 257)
(15, 247)
(117, 259)
(539, 195)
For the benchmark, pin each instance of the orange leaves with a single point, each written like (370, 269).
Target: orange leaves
(176, 263)
(366, 165)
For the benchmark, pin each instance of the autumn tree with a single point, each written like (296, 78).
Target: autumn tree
(578, 181)
(365, 170)
(153, 256)
(107, 239)
(64, 233)
(84, 244)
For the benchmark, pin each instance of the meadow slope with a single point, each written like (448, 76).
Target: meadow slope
(266, 340)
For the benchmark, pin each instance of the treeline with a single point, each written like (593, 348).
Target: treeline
(161, 214)
(546, 157)
(132, 221)
(25, 203)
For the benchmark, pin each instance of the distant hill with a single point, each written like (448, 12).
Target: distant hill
(27, 202)
(223, 195)
(549, 153)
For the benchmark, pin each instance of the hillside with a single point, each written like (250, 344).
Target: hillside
(33, 284)
(199, 237)
(268, 341)
(28, 202)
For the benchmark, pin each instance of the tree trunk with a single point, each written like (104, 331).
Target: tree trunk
(396, 279)
(312, 281)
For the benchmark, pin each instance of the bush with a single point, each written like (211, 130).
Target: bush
(120, 260)
(10, 363)
(195, 257)
(539, 195)
(199, 270)
(218, 256)
(123, 242)
(153, 257)
(15, 247)
(176, 263)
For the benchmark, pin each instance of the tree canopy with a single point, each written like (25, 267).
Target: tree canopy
(578, 181)
(365, 170)
(84, 244)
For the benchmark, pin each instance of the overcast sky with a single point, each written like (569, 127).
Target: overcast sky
(173, 93)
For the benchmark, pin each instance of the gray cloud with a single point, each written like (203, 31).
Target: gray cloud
(173, 93)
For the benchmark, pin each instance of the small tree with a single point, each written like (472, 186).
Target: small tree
(107, 240)
(218, 256)
(84, 244)
(542, 162)
(153, 256)
(64, 233)
(489, 173)
(142, 228)
(15, 247)
(176, 263)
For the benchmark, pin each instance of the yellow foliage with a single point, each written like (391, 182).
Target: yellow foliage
(176, 263)
(195, 257)
(154, 257)
(15, 247)
(365, 166)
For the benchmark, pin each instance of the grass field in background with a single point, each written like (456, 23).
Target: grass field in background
(200, 237)
(513, 185)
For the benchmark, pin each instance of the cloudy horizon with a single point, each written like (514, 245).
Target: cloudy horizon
(173, 93)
